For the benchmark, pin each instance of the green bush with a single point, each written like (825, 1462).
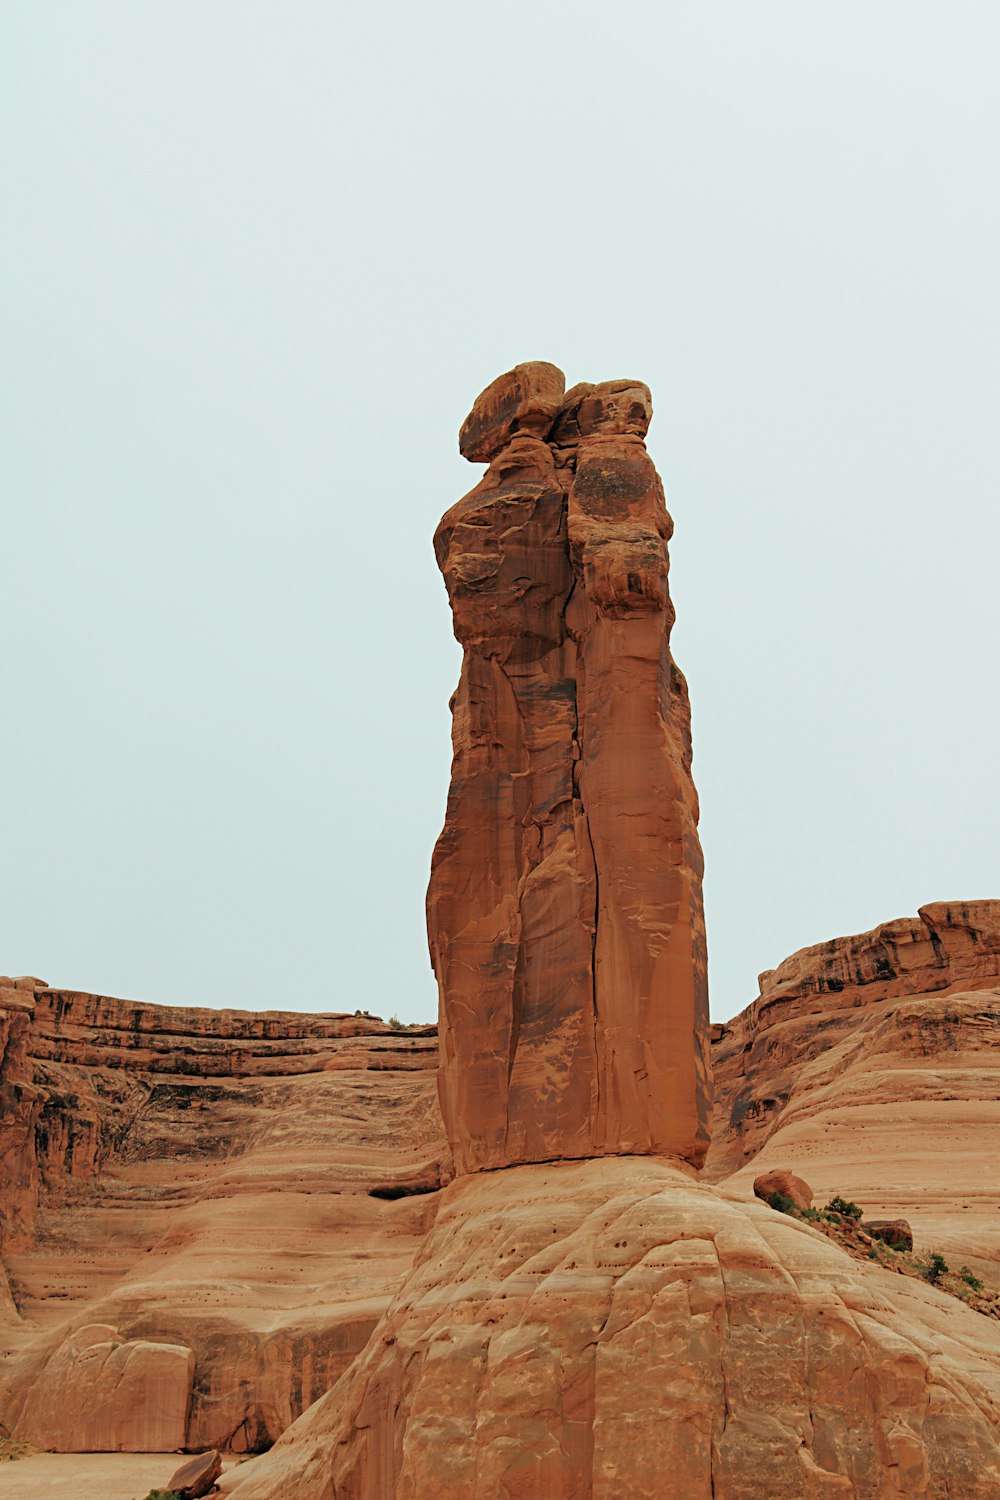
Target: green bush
(781, 1203)
(936, 1267)
(844, 1207)
(163, 1495)
(395, 1023)
(971, 1279)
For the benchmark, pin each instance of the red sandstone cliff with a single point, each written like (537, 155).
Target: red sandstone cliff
(200, 1181)
(871, 1065)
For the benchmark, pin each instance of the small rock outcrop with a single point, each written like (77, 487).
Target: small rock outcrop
(196, 1477)
(565, 908)
(786, 1185)
(893, 1232)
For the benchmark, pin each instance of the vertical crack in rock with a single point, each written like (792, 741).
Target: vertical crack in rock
(564, 908)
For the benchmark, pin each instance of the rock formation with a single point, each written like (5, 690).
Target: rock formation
(612, 1329)
(564, 909)
(252, 1188)
(267, 1202)
(98, 1393)
(589, 1329)
(871, 1064)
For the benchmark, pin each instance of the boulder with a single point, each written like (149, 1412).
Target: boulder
(525, 400)
(787, 1184)
(197, 1476)
(894, 1232)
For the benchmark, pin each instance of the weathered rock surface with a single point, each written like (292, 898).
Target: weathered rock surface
(97, 1394)
(894, 1232)
(610, 1327)
(196, 1477)
(564, 910)
(208, 1179)
(524, 401)
(871, 1066)
(590, 1331)
(786, 1184)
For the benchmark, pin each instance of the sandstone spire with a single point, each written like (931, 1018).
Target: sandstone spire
(564, 909)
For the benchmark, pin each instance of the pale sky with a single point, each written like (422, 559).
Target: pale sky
(259, 258)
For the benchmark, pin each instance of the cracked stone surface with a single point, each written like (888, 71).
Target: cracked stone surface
(565, 909)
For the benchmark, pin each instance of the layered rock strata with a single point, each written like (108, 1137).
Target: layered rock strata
(612, 1328)
(871, 1064)
(249, 1187)
(564, 909)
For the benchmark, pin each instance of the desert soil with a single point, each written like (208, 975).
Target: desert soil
(71, 1476)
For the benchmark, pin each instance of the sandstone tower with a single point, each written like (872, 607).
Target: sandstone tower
(565, 909)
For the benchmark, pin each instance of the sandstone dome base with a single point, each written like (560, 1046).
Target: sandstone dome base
(616, 1330)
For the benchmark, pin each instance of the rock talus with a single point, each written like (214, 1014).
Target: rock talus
(564, 910)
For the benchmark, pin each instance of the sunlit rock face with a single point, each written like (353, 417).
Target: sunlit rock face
(565, 909)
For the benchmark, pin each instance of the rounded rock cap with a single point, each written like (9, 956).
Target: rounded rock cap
(524, 400)
(614, 408)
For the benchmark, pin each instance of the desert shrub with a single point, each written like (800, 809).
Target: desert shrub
(11, 1449)
(873, 1252)
(971, 1279)
(844, 1207)
(163, 1495)
(781, 1203)
(811, 1213)
(936, 1267)
(395, 1023)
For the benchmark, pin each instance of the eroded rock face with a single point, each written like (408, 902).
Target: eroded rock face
(98, 1394)
(786, 1184)
(871, 1065)
(590, 1331)
(564, 910)
(208, 1179)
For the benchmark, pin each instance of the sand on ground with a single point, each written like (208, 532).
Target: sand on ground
(88, 1476)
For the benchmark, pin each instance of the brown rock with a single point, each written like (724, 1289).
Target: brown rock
(525, 401)
(564, 909)
(787, 1184)
(197, 1476)
(20, 1107)
(614, 408)
(209, 1179)
(613, 1328)
(98, 1394)
(894, 1232)
(873, 1063)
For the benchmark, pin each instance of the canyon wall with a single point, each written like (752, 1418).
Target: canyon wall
(870, 1065)
(249, 1189)
(564, 909)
